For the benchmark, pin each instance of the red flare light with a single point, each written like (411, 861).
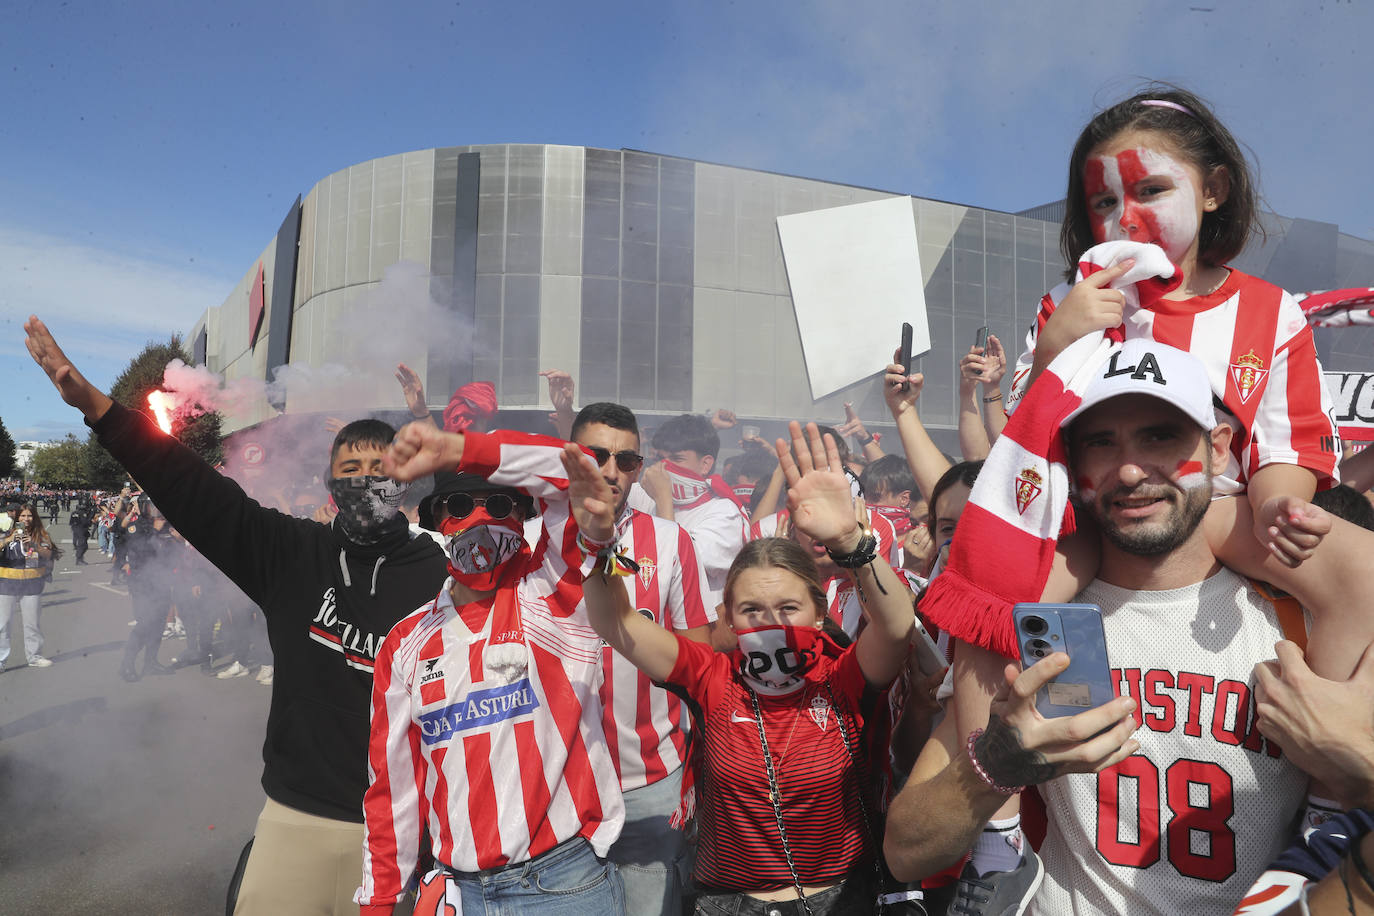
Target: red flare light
(161, 404)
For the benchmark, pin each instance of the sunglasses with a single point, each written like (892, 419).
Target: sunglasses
(626, 461)
(461, 505)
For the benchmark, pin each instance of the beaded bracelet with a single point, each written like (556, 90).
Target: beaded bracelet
(982, 773)
(995, 397)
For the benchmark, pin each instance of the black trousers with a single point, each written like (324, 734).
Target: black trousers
(80, 534)
(151, 605)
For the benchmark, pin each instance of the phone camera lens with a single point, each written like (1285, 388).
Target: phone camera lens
(1038, 648)
(1035, 626)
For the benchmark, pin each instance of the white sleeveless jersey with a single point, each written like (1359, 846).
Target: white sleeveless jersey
(1189, 822)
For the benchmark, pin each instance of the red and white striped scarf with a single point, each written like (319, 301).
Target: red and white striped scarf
(1005, 541)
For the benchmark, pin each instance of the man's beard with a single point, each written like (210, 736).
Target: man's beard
(1157, 536)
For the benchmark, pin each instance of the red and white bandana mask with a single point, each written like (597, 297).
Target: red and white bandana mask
(480, 548)
(899, 516)
(690, 489)
(774, 660)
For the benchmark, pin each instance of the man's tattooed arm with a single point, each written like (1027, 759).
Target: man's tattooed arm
(1001, 753)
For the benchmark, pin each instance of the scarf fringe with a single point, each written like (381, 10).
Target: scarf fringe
(971, 613)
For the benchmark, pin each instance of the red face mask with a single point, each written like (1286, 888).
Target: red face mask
(480, 548)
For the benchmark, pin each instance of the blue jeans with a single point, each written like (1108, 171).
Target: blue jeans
(568, 880)
(649, 852)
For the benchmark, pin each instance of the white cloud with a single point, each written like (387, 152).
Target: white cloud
(105, 295)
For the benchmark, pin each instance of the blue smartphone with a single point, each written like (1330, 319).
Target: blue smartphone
(1075, 629)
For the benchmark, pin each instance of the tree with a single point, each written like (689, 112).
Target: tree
(59, 464)
(198, 429)
(7, 455)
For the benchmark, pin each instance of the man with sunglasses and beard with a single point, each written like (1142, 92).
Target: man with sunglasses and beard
(330, 594)
(487, 733)
(646, 726)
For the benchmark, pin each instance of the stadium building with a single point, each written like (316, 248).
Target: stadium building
(655, 281)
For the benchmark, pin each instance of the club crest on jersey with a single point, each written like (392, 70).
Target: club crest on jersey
(1249, 374)
(646, 570)
(1029, 485)
(820, 712)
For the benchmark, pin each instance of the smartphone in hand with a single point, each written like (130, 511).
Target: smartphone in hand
(1076, 630)
(980, 339)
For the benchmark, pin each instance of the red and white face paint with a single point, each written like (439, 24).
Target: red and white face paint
(1144, 195)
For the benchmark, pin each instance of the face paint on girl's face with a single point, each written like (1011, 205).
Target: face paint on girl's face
(1145, 195)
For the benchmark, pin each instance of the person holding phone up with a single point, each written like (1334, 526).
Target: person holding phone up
(1200, 802)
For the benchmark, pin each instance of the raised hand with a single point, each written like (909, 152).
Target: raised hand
(560, 389)
(852, 425)
(419, 449)
(901, 391)
(68, 381)
(589, 496)
(994, 362)
(818, 494)
(723, 419)
(413, 390)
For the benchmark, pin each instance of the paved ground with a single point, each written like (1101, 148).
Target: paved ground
(120, 798)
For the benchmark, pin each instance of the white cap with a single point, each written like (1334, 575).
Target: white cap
(1144, 366)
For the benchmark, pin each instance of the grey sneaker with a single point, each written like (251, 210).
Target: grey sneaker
(38, 661)
(998, 893)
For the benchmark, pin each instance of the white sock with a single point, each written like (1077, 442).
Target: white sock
(998, 847)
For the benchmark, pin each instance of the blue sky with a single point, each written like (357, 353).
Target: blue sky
(148, 151)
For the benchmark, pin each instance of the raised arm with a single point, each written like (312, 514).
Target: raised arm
(413, 390)
(561, 394)
(648, 646)
(70, 383)
(973, 437)
(927, 462)
(822, 507)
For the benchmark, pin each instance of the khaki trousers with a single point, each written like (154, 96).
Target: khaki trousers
(301, 864)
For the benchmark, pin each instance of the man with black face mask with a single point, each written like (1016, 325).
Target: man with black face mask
(330, 594)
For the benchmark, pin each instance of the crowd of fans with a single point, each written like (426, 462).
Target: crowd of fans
(608, 672)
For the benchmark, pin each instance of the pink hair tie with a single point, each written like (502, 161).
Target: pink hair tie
(1165, 103)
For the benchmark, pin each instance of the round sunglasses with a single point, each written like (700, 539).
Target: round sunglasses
(627, 461)
(461, 505)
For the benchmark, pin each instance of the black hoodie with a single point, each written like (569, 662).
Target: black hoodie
(328, 603)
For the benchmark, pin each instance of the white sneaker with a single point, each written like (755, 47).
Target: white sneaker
(234, 670)
(38, 661)
(265, 676)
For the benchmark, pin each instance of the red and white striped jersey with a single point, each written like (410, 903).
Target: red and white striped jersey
(646, 725)
(719, 529)
(1262, 363)
(889, 545)
(498, 764)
